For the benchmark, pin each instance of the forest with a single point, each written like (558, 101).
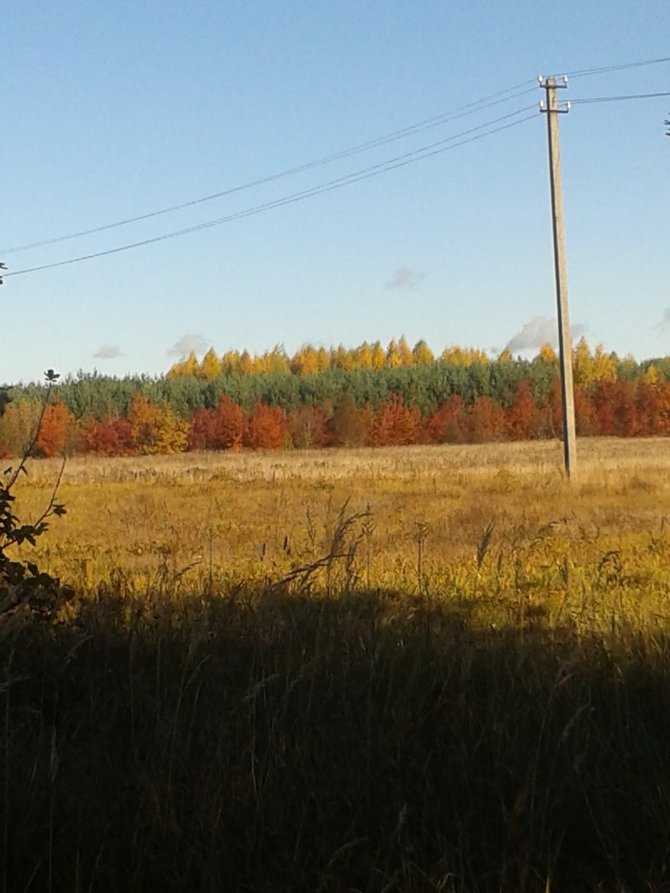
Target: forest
(365, 396)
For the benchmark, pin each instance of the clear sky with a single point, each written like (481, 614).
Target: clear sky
(112, 110)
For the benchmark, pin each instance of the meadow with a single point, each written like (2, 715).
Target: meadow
(401, 669)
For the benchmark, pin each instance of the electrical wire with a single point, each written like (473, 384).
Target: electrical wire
(619, 98)
(607, 69)
(338, 183)
(438, 120)
(482, 104)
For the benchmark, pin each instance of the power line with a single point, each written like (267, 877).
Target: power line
(627, 98)
(607, 69)
(485, 102)
(366, 173)
(471, 108)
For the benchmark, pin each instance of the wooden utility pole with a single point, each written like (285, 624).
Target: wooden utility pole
(552, 111)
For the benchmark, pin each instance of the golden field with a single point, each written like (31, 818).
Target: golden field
(408, 670)
(497, 519)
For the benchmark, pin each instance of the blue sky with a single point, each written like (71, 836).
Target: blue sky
(112, 110)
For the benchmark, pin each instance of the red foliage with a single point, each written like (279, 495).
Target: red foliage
(58, 430)
(523, 416)
(586, 419)
(652, 404)
(229, 425)
(201, 430)
(614, 405)
(395, 424)
(486, 420)
(448, 424)
(265, 428)
(108, 437)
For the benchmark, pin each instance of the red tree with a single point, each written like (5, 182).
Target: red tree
(448, 424)
(229, 425)
(522, 418)
(395, 423)
(201, 430)
(58, 431)
(486, 420)
(108, 437)
(265, 428)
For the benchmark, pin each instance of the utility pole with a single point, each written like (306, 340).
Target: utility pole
(552, 110)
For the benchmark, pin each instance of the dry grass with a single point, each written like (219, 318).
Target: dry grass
(422, 670)
(209, 519)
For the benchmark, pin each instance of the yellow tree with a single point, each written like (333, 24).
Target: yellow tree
(505, 356)
(184, 367)
(378, 356)
(276, 360)
(210, 367)
(454, 355)
(305, 361)
(548, 354)
(604, 365)
(393, 358)
(323, 359)
(246, 363)
(363, 356)
(423, 355)
(18, 424)
(230, 362)
(583, 367)
(405, 352)
(156, 429)
(341, 358)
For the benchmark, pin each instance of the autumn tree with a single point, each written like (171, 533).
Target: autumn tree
(449, 422)
(378, 355)
(305, 361)
(396, 424)
(265, 427)
(58, 431)
(201, 429)
(348, 425)
(393, 357)
(422, 354)
(185, 367)
(486, 421)
(307, 426)
(405, 352)
(18, 425)
(156, 429)
(210, 367)
(522, 417)
(229, 425)
(341, 358)
(108, 436)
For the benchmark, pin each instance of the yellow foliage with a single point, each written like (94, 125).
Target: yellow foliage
(423, 355)
(547, 353)
(210, 367)
(505, 356)
(156, 429)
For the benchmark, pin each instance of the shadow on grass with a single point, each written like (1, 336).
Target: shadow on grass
(373, 742)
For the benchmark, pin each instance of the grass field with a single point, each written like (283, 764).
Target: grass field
(420, 669)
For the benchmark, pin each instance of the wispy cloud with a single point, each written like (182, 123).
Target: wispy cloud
(664, 321)
(405, 277)
(108, 352)
(539, 331)
(190, 343)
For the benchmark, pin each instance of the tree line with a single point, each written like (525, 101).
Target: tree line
(460, 397)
